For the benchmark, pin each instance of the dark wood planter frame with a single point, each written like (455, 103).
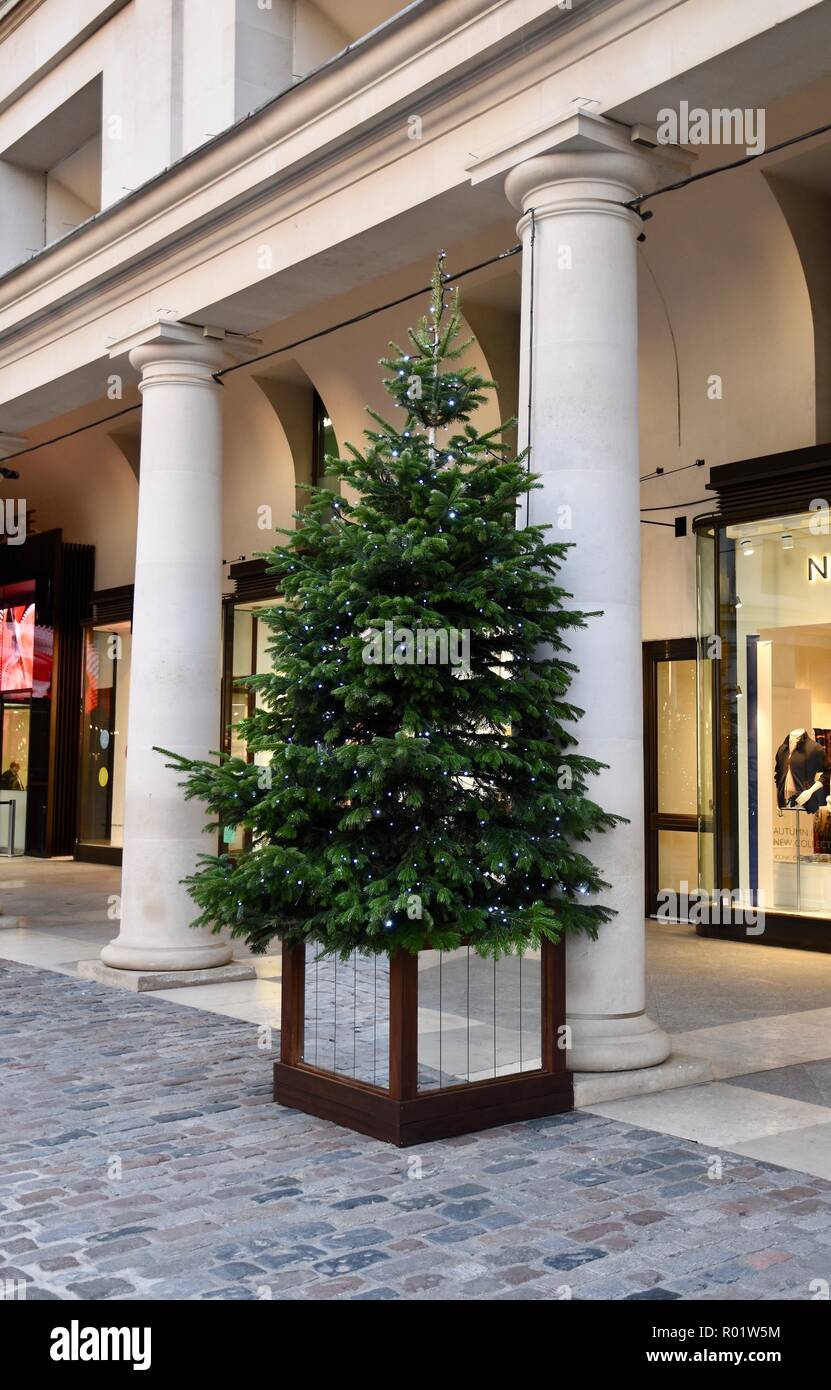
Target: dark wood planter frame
(402, 1114)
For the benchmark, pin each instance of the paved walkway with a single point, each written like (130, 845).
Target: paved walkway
(760, 1016)
(142, 1157)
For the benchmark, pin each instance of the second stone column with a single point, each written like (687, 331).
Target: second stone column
(579, 380)
(176, 654)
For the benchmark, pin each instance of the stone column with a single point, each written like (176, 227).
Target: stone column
(176, 655)
(579, 357)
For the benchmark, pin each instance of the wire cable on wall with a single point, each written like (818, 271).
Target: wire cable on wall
(274, 352)
(636, 203)
(366, 314)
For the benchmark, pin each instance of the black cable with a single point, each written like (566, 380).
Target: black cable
(367, 314)
(288, 347)
(636, 203)
(70, 434)
(668, 472)
(657, 523)
(675, 357)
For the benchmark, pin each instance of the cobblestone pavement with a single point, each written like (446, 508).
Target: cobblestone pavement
(142, 1157)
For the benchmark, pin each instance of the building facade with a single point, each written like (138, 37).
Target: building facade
(201, 201)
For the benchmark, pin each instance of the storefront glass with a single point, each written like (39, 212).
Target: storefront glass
(106, 695)
(248, 639)
(18, 679)
(768, 670)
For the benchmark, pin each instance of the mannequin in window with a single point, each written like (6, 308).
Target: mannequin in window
(801, 772)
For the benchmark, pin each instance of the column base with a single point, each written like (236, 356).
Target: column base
(147, 981)
(596, 1088)
(605, 1043)
(121, 955)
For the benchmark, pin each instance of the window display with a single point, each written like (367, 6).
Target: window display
(17, 680)
(765, 670)
(17, 647)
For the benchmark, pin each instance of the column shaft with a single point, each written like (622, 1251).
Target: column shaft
(176, 655)
(581, 367)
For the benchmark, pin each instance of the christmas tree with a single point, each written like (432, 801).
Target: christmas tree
(423, 787)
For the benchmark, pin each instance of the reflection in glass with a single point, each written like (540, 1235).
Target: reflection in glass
(677, 860)
(14, 780)
(250, 638)
(107, 652)
(25, 670)
(676, 720)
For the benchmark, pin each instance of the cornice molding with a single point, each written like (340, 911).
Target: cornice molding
(13, 14)
(287, 126)
(454, 61)
(51, 60)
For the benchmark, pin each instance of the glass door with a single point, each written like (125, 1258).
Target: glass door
(18, 679)
(247, 640)
(14, 779)
(671, 772)
(103, 763)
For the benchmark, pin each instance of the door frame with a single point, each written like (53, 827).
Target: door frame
(673, 649)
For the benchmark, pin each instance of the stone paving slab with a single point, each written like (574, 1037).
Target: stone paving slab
(141, 1157)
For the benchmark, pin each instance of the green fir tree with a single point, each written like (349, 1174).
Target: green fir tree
(423, 787)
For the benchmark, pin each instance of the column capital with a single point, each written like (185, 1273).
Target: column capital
(174, 352)
(578, 160)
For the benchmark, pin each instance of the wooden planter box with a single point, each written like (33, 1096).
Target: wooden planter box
(372, 1059)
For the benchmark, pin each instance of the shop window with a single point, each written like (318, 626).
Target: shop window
(325, 444)
(670, 734)
(765, 713)
(247, 639)
(103, 767)
(17, 683)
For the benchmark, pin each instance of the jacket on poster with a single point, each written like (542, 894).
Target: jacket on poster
(801, 766)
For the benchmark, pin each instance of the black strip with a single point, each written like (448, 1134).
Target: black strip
(753, 764)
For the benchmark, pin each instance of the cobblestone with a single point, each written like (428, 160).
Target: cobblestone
(220, 1194)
